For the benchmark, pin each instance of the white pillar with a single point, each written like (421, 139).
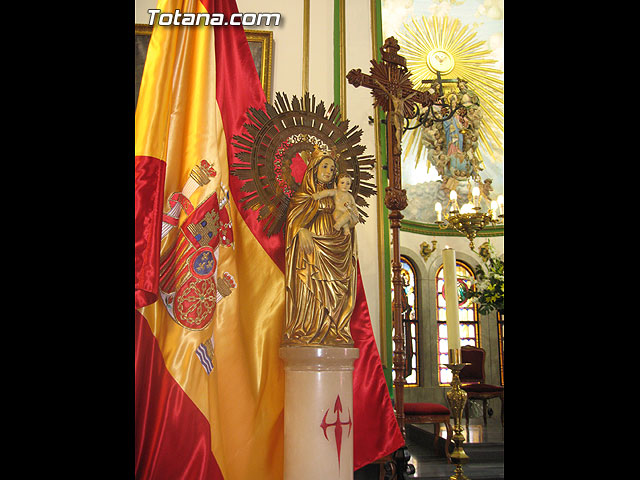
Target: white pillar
(318, 412)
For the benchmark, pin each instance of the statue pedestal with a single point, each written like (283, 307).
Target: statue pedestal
(318, 412)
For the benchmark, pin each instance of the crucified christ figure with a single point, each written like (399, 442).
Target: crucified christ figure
(397, 113)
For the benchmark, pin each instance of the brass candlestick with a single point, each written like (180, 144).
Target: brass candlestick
(457, 399)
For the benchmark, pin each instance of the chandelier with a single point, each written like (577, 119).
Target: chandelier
(469, 220)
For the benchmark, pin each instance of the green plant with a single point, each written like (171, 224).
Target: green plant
(489, 283)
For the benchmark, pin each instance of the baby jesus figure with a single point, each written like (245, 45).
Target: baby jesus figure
(345, 213)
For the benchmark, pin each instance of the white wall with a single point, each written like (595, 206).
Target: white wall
(359, 108)
(141, 15)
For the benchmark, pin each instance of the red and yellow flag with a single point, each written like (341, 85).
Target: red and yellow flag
(209, 284)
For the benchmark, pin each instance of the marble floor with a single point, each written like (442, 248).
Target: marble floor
(484, 444)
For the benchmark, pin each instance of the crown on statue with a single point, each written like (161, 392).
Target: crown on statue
(317, 153)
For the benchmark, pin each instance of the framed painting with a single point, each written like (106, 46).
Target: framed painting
(143, 35)
(260, 44)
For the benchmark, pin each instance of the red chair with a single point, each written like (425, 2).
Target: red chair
(473, 381)
(431, 413)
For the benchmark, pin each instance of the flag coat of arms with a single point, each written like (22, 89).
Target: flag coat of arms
(209, 383)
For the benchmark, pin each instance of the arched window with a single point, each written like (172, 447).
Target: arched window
(409, 321)
(469, 327)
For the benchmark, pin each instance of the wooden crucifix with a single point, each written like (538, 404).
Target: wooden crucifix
(393, 92)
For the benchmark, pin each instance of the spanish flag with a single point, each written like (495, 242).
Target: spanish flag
(209, 383)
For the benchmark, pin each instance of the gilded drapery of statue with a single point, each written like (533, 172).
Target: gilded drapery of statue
(321, 261)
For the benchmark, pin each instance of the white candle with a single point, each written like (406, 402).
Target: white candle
(501, 204)
(453, 201)
(439, 211)
(494, 210)
(451, 297)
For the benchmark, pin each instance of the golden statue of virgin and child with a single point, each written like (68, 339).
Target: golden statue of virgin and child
(321, 256)
(318, 213)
